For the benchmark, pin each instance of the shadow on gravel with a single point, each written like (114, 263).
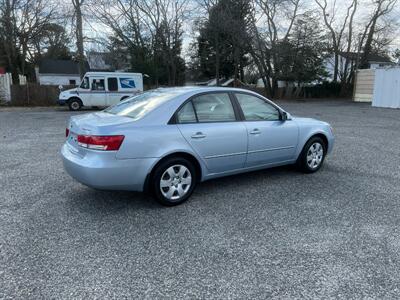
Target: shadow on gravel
(115, 202)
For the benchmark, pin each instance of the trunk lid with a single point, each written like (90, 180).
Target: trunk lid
(96, 123)
(99, 123)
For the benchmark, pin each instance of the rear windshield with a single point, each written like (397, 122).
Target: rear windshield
(137, 107)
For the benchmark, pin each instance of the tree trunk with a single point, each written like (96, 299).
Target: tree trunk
(336, 67)
(368, 46)
(217, 58)
(79, 37)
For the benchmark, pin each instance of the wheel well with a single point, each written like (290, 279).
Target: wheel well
(185, 155)
(323, 137)
(320, 135)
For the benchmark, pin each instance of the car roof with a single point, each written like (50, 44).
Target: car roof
(199, 89)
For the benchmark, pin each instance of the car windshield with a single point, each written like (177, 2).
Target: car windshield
(137, 107)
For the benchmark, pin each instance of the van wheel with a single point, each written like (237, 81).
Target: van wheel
(74, 104)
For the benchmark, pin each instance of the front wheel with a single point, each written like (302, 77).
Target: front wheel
(313, 155)
(74, 104)
(174, 181)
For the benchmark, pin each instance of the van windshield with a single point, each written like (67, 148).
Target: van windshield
(85, 83)
(137, 107)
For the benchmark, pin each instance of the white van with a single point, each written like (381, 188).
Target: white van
(102, 89)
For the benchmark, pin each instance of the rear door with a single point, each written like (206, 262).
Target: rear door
(210, 125)
(271, 140)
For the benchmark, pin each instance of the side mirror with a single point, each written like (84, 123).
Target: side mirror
(283, 115)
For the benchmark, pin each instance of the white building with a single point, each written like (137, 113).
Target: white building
(58, 72)
(374, 61)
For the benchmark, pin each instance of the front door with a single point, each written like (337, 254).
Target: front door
(97, 96)
(271, 140)
(209, 124)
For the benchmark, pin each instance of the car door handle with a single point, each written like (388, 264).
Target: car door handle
(198, 135)
(255, 131)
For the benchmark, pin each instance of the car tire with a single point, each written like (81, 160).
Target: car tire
(173, 181)
(312, 156)
(74, 104)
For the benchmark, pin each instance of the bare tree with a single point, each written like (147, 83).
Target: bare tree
(77, 5)
(277, 18)
(165, 19)
(382, 8)
(23, 21)
(151, 28)
(337, 34)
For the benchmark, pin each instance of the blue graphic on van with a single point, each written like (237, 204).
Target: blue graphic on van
(127, 83)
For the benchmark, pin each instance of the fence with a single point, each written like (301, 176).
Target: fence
(5, 87)
(324, 90)
(364, 87)
(32, 94)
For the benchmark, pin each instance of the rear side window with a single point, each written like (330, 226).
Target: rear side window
(186, 114)
(214, 108)
(138, 106)
(112, 84)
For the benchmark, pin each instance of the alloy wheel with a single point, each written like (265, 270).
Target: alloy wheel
(315, 155)
(175, 182)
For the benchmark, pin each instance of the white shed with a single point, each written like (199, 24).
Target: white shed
(380, 86)
(387, 88)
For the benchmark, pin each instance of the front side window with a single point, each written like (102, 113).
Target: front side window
(256, 109)
(112, 84)
(85, 83)
(214, 108)
(186, 114)
(138, 106)
(98, 84)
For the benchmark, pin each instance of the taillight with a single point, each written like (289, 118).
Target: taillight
(66, 132)
(97, 142)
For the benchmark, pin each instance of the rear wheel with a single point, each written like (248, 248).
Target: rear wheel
(74, 104)
(173, 181)
(313, 155)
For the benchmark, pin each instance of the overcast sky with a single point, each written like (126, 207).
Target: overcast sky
(97, 31)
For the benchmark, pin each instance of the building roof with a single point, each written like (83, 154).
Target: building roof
(371, 57)
(58, 66)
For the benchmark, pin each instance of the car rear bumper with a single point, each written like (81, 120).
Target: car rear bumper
(102, 170)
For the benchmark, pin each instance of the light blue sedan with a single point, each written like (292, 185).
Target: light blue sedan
(165, 141)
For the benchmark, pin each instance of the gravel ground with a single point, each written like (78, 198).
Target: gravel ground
(274, 233)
